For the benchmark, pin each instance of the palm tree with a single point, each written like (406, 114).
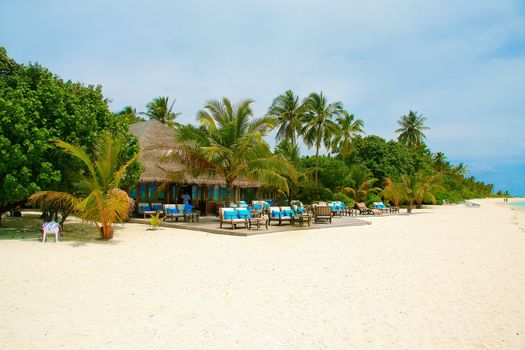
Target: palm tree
(97, 197)
(229, 144)
(319, 126)
(158, 109)
(461, 169)
(410, 131)
(288, 113)
(347, 128)
(418, 188)
(288, 151)
(129, 115)
(360, 184)
(393, 192)
(440, 160)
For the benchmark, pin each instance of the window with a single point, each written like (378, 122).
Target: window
(143, 192)
(151, 192)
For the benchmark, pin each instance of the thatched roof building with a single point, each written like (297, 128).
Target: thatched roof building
(153, 135)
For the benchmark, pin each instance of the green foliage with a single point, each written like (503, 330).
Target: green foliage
(288, 113)
(348, 127)
(37, 107)
(411, 128)
(308, 191)
(128, 115)
(373, 197)
(154, 220)
(318, 124)
(385, 159)
(161, 110)
(360, 183)
(97, 197)
(340, 196)
(229, 144)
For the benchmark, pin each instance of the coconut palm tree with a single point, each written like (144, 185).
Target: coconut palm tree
(319, 127)
(348, 127)
(229, 144)
(360, 184)
(440, 161)
(97, 197)
(161, 110)
(288, 112)
(288, 151)
(461, 169)
(129, 115)
(411, 129)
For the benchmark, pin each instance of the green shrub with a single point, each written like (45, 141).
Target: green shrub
(340, 196)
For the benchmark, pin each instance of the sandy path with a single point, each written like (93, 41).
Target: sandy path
(445, 278)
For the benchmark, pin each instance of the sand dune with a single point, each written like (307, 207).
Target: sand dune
(444, 278)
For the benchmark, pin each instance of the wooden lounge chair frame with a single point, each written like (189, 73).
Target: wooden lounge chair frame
(322, 213)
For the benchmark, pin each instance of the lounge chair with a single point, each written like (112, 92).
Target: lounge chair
(146, 209)
(364, 210)
(171, 211)
(381, 206)
(338, 208)
(276, 214)
(322, 213)
(229, 216)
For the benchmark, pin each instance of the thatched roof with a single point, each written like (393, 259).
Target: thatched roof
(153, 134)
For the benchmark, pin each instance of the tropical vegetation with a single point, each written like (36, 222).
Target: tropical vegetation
(227, 142)
(97, 196)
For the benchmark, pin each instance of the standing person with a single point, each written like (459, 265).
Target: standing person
(186, 198)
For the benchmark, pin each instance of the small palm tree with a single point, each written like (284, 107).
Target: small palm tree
(360, 184)
(229, 144)
(319, 127)
(348, 127)
(411, 129)
(97, 197)
(288, 112)
(418, 188)
(393, 192)
(288, 151)
(161, 110)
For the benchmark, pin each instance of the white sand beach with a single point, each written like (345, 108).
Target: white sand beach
(443, 278)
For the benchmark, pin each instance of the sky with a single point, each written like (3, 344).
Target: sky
(461, 64)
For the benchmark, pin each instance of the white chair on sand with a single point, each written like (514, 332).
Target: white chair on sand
(52, 227)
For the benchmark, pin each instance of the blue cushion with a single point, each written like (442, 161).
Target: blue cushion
(145, 207)
(300, 210)
(277, 214)
(334, 207)
(157, 207)
(266, 205)
(257, 206)
(289, 212)
(172, 210)
(243, 213)
(382, 205)
(188, 208)
(230, 215)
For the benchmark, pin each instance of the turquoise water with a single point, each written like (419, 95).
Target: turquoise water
(518, 204)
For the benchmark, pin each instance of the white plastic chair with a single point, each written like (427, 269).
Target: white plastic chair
(52, 227)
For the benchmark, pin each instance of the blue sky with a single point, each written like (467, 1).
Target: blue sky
(459, 63)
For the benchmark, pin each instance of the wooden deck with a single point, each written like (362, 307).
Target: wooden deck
(210, 224)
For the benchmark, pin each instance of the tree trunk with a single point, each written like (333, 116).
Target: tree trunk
(106, 233)
(229, 189)
(409, 207)
(65, 214)
(316, 165)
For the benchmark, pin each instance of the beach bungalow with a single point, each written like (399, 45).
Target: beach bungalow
(157, 184)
